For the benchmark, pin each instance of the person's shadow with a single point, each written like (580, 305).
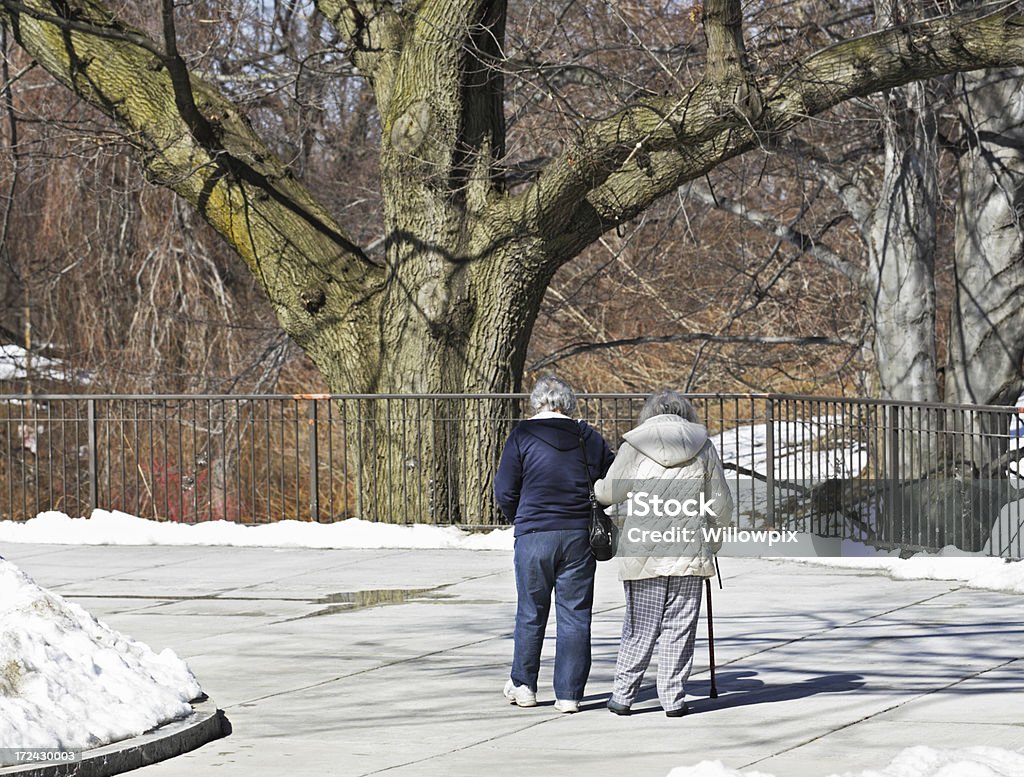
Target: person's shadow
(738, 689)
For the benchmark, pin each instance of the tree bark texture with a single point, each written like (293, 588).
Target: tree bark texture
(987, 330)
(900, 275)
(986, 340)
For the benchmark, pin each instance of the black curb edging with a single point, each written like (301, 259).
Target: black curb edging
(205, 724)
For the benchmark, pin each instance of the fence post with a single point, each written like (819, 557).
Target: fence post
(93, 442)
(314, 468)
(893, 465)
(769, 444)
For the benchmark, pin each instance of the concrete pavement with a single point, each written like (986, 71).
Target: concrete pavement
(347, 662)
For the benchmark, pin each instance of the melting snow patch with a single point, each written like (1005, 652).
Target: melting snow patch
(912, 762)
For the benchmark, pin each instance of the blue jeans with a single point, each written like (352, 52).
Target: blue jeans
(562, 561)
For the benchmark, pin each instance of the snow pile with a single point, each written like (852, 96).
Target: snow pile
(68, 681)
(974, 570)
(14, 358)
(115, 528)
(912, 762)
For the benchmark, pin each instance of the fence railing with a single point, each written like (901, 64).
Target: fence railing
(899, 475)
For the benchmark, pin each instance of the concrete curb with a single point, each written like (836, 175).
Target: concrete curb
(205, 724)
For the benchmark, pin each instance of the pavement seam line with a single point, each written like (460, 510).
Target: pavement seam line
(356, 674)
(388, 665)
(836, 628)
(883, 711)
(113, 575)
(456, 749)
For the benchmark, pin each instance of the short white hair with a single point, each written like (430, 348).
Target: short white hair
(551, 393)
(667, 402)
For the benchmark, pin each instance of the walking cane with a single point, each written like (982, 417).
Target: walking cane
(711, 640)
(711, 629)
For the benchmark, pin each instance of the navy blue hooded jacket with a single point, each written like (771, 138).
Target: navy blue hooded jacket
(541, 484)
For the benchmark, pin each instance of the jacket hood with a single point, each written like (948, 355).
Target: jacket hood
(668, 439)
(560, 433)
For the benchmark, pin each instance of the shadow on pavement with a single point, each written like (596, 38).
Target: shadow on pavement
(739, 689)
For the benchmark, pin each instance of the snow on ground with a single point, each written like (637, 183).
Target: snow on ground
(808, 452)
(804, 453)
(800, 447)
(104, 527)
(911, 762)
(115, 528)
(69, 682)
(974, 570)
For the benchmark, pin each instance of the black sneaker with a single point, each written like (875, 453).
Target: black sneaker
(677, 713)
(618, 709)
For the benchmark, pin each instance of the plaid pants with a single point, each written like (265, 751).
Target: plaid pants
(658, 606)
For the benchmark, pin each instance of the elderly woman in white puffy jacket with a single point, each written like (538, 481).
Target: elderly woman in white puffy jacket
(670, 477)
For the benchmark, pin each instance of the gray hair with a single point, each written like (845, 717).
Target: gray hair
(553, 393)
(667, 402)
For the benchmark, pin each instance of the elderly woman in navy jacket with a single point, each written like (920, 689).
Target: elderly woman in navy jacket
(542, 487)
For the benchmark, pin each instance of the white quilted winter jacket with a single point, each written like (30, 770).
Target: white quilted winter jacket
(673, 458)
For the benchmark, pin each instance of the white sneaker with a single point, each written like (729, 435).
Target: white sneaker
(567, 705)
(520, 694)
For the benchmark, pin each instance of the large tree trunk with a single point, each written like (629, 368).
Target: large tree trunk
(899, 284)
(896, 215)
(459, 306)
(986, 341)
(986, 345)
(467, 332)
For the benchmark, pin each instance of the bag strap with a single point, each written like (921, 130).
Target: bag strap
(586, 466)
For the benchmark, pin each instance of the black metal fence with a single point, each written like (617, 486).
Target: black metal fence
(906, 475)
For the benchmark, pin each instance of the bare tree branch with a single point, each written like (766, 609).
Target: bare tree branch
(239, 185)
(723, 29)
(617, 167)
(12, 129)
(800, 240)
(374, 31)
(575, 350)
(109, 28)
(198, 124)
(855, 189)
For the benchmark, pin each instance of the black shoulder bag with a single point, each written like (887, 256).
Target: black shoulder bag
(600, 525)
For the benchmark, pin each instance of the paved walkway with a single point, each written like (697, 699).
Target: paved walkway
(391, 661)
